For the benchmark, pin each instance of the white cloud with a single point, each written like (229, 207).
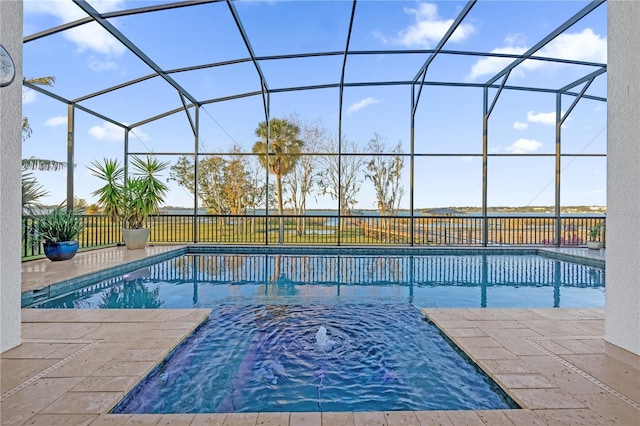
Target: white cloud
(107, 132)
(361, 104)
(56, 121)
(67, 11)
(515, 39)
(545, 118)
(582, 46)
(95, 38)
(86, 37)
(520, 126)
(492, 65)
(29, 96)
(428, 28)
(524, 146)
(111, 133)
(97, 65)
(140, 134)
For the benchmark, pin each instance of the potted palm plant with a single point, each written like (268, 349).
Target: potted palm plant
(130, 200)
(59, 230)
(594, 237)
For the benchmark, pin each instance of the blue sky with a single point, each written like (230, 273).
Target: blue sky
(448, 120)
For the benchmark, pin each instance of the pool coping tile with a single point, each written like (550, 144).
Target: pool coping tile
(534, 381)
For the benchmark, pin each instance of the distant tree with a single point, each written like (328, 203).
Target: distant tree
(283, 153)
(341, 178)
(93, 209)
(304, 177)
(279, 149)
(385, 173)
(79, 203)
(259, 186)
(237, 189)
(210, 180)
(225, 185)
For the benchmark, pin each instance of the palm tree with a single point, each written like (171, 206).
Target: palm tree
(41, 81)
(284, 150)
(111, 194)
(32, 191)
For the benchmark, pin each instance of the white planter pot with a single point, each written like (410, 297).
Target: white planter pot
(136, 238)
(594, 245)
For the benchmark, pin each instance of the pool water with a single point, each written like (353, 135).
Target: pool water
(208, 280)
(315, 357)
(332, 332)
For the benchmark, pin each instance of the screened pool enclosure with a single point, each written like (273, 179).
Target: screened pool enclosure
(396, 107)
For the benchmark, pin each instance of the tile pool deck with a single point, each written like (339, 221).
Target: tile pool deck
(75, 365)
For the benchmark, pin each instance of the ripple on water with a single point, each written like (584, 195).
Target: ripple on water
(252, 358)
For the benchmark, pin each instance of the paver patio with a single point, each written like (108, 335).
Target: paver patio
(75, 365)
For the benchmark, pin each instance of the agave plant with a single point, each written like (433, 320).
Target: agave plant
(57, 226)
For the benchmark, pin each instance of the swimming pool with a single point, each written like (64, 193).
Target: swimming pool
(329, 331)
(206, 280)
(363, 357)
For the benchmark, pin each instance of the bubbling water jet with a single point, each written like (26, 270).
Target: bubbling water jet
(322, 341)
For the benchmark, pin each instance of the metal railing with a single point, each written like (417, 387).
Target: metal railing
(507, 230)
(99, 231)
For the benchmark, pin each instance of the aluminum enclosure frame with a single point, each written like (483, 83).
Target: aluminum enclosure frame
(191, 104)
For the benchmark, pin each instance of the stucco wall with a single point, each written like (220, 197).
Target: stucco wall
(622, 326)
(10, 194)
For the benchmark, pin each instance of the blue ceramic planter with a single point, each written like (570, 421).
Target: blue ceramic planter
(63, 250)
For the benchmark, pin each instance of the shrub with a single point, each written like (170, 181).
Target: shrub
(58, 225)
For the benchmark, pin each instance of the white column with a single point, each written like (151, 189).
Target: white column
(10, 194)
(622, 318)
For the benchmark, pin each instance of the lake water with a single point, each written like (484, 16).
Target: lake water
(203, 212)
